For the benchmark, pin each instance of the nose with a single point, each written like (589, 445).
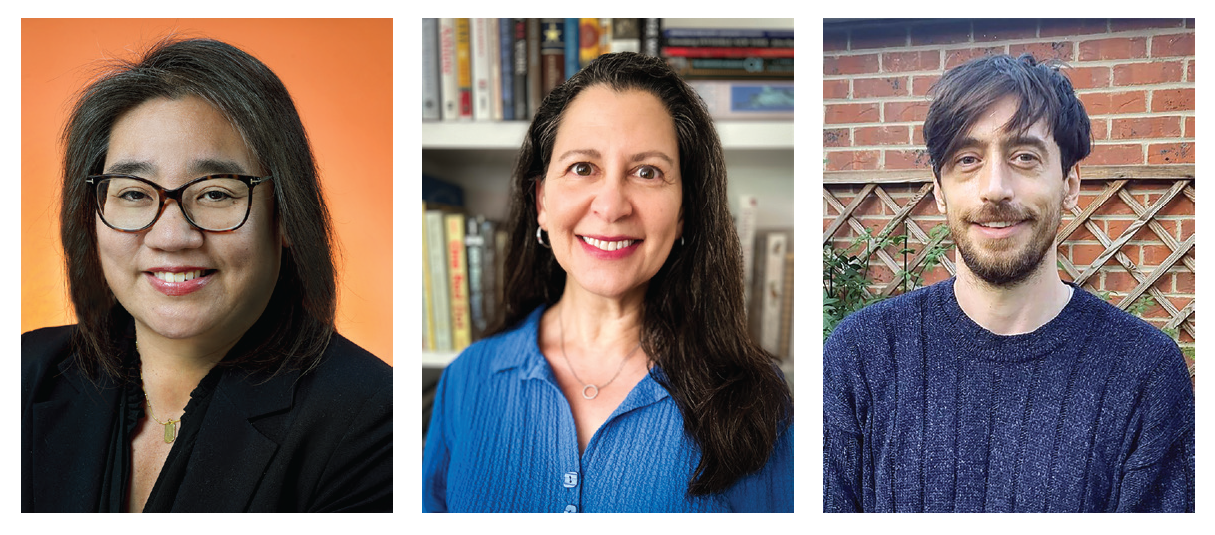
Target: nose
(611, 201)
(172, 232)
(996, 181)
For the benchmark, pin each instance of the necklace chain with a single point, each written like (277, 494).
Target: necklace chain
(169, 425)
(585, 385)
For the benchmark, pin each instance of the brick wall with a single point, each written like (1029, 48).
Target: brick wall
(1136, 80)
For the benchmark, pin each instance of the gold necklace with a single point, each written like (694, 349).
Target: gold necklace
(588, 386)
(171, 425)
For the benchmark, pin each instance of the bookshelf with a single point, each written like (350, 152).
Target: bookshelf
(480, 155)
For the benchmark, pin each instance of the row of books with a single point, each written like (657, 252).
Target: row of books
(767, 279)
(501, 69)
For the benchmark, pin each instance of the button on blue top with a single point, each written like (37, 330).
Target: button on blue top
(571, 509)
(571, 480)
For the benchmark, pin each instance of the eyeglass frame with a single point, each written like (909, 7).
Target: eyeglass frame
(175, 194)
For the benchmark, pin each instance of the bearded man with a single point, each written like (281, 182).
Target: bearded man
(1005, 389)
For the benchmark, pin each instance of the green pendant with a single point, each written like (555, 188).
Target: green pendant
(170, 432)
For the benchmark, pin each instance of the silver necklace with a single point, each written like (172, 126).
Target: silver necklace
(588, 386)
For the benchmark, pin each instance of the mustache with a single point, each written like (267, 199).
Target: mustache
(1003, 211)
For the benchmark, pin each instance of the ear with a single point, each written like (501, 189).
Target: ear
(938, 194)
(541, 213)
(1072, 184)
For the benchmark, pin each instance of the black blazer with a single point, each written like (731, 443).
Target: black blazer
(317, 442)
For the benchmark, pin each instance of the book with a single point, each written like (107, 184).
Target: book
(495, 71)
(786, 310)
(480, 62)
(588, 40)
(431, 96)
(626, 35)
(746, 99)
(572, 61)
(474, 244)
(506, 63)
(748, 211)
(428, 307)
(725, 52)
(771, 290)
(651, 37)
(464, 78)
(727, 37)
(457, 274)
(552, 54)
(745, 68)
(447, 70)
(521, 82)
(534, 95)
(441, 303)
(489, 276)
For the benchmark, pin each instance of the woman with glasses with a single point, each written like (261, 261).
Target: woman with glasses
(204, 373)
(622, 377)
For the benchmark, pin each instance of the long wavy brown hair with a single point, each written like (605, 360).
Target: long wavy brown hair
(733, 400)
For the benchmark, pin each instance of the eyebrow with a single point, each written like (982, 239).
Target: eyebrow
(636, 157)
(1005, 142)
(199, 167)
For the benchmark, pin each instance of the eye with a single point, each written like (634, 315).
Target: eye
(582, 169)
(648, 172)
(133, 195)
(967, 160)
(1026, 157)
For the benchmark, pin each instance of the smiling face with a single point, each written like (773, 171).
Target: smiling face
(1003, 194)
(611, 197)
(232, 274)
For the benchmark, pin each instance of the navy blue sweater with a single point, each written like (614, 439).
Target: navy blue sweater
(924, 410)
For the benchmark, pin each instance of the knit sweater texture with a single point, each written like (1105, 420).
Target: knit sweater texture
(502, 439)
(926, 411)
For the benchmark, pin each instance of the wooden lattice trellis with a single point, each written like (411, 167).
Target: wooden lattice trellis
(1115, 180)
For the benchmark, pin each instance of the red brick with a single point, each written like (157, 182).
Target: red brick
(1080, 234)
(1105, 103)
(1190, 71)
(1004, 29)
(1069, 27)
(851, 113)
(938, 274)
(1181, 44)
(835, 89)
(1100, 129)
(1088, 77)
(920, 85)
(1145, 127)
(1115, 227)
(923, 60)
(1166, 153)
(1061, 50)
(1189, 127)
(1178, 206)
(1124, 154)
(917, 135)
(881, 135)
(836, 137)
(1187, 229)
(1118, 25)
(1185, 282)
(1118, 280)
(860, 64)
(1113, 48)
(907, 159)
(1147, 73)
(879, 87)
(953, 58)
(1173, 99)
(1154, 255)
(852, 160)
(926, 209)
(1083, 254)
(905, 111)
(941, 33)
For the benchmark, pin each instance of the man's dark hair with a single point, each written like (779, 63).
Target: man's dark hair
(694, 328)
(964, 93)
(298, 322)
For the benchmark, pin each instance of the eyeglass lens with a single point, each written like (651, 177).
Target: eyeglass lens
(212, 204)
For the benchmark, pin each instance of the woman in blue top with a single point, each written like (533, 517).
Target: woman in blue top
(622, 376)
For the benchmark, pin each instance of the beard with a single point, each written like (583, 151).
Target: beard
(1004, 263)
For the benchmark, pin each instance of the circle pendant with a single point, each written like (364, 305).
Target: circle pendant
(594, 391)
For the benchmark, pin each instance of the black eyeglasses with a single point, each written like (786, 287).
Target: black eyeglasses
(215, 203)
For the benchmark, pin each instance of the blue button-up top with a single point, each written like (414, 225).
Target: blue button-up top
(502, 438)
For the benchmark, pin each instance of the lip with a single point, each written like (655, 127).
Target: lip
(608, 255)
(999, 233)
(177, 289)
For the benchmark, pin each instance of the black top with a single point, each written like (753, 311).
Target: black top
(320, 441)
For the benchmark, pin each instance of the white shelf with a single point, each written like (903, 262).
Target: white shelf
(508, 135)
(437, 359)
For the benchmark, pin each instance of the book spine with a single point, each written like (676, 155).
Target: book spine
(605, 36)
(748, 211)
(500, 239)
(479, 60)
(588, 40)
(431, 98)
(725, 52)
(475, 246)
(745, 68)
(489, 274)
(534, 94)
(552, 54)
(495, 71)
(428, 306)
(506, 37)
(746, 99)
(520, 52)
(651, 37)
(786, 312)
(626, 35)
(773, 292)
(464, 77)
(448, 83)
(439, 280)
(572, 61)
(457, 273)
(721, 37)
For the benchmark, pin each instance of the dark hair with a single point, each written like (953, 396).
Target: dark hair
(961, 96)
(297, 324)
(727, 387)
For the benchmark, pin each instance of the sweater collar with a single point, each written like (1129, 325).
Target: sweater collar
(1065, 328)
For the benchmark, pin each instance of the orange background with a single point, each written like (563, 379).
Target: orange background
(339, 73)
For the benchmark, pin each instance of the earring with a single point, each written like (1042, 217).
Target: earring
(540, 239)
(681, 241)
